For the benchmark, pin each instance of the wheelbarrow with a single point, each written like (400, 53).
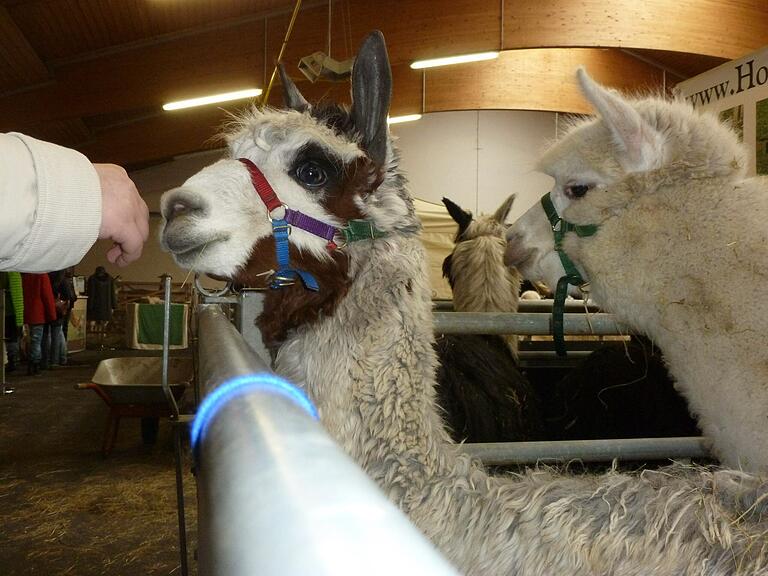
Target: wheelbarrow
(132, 387)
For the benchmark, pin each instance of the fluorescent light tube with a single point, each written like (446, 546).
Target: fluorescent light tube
(399, 119)
(202, 101)
(454, 60)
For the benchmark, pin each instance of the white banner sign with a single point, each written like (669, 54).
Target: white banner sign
(738, 92)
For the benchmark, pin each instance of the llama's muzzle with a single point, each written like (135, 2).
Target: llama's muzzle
(516, 253)
(181, 202)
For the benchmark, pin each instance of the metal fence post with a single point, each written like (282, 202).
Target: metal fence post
(277, 497)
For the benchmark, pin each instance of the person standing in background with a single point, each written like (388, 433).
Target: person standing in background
(102, 301)
(68, 288)
(14, 315)
(56, 349)
(39, 309)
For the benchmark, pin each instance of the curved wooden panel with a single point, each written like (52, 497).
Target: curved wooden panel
(67, 28)
(164, 58)
(535, 80)
(722, 28)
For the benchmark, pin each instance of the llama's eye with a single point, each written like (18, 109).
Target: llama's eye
(577, 190)
(311, 174)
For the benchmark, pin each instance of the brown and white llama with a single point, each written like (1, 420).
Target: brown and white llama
(361, 346)
(485, 396)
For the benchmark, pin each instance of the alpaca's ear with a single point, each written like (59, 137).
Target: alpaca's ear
(503, 211)
(638, 140)
(461, 217)
(291, 95)
(371, 94)
(447, 268)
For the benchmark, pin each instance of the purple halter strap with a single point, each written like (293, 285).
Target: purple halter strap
(313, 226)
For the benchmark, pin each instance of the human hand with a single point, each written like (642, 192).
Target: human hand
(124, 214)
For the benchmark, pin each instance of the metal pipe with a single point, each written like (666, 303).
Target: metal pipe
(177, 455)
(265, 96)
(166, 345)
(503, 453)
(276, 495)
(180, 515)
(545, 305)
(525, 323)
(2, 341)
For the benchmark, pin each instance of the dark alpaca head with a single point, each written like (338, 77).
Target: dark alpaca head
(471, 228)
(462, 217)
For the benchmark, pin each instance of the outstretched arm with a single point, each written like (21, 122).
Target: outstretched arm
(55, 204)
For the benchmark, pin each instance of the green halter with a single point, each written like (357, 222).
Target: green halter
(572, 276)
(360, 230)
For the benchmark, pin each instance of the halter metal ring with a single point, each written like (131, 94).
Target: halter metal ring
(285, 213)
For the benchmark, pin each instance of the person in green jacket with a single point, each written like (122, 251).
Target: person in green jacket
(14, 315)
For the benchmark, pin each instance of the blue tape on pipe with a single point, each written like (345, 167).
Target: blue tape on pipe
(239, 386)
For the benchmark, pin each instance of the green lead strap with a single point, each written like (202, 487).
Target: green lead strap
(572, 276)
(360, 230)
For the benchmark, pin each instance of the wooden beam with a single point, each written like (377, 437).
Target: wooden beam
(150, 76)
(521, 79)
(160, 137)
(721, 28)
(218, 60)
(19, 64)
(534, 80)
(63, 30)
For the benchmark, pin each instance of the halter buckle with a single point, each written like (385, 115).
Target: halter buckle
(279, 281)
(279, 227)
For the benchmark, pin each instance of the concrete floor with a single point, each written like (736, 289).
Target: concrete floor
(64, 508)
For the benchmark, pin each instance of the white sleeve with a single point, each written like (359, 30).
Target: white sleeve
(50, 205)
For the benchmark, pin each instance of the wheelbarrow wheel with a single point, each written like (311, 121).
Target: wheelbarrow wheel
(149, 428)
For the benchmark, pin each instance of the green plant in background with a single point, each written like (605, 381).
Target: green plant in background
(761, 136)
(735, 116)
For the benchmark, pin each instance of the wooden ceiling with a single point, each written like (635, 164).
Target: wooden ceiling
(93, 74)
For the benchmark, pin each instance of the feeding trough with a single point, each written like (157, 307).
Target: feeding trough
(132, 387)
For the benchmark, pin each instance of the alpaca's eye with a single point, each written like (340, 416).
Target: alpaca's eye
(577, 190)
(311, 174)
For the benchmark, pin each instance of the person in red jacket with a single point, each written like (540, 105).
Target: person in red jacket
(39, 309)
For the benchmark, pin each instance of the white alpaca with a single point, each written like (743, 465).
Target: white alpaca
(362, 348)
(677, 222)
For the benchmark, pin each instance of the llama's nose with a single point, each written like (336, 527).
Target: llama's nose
(516, 252)
(180, 202)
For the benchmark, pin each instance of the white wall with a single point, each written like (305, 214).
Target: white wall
(477, 158)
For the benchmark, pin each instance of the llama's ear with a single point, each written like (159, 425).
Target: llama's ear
(503, 211)
(461, 216)
(447, 263)
(638, 140)
(371, 94)
(291, 95)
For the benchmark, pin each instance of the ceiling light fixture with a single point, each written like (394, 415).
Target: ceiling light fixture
(400, 119)
(203, 100)
(463, 59)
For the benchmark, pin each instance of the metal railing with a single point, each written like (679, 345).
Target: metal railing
(276, 495)
(626, 449)
(2, 342)
(524, 323)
